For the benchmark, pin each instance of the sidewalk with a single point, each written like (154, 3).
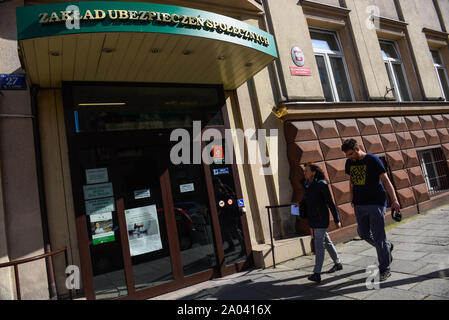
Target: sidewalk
(420, 270)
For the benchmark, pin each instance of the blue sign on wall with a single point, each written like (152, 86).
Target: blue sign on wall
(221, 171)
(13, 82)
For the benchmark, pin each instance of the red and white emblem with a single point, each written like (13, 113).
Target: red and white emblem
(230, 202)
(221, 203)
(298, 56)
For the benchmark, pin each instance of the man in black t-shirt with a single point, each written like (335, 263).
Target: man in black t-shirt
(368, 183)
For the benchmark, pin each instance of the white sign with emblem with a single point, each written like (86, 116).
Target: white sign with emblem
(298, 56)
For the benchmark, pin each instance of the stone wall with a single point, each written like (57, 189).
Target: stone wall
(395, 138)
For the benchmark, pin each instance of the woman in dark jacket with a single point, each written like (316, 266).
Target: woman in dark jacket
(317, 202)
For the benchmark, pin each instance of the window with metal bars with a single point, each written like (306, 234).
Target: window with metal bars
(435, 169)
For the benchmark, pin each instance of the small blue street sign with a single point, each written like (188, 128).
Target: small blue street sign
(221, 171)
(13, 82)
(241, 203)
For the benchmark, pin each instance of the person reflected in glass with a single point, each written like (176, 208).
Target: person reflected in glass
(317, 202)
(228, 215)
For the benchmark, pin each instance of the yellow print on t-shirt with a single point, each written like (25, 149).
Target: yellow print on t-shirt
(358, 175)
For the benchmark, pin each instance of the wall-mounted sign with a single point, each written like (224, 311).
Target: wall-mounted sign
(119, 16)
(13, 82)
(101, 228)
(300, 71)
(298, 56)
(218, 154)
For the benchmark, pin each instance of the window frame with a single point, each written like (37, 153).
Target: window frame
(393, 61)
(440, 67)
(327, 54)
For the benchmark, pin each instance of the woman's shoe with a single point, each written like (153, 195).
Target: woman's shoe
(315, 277)
(336, 267)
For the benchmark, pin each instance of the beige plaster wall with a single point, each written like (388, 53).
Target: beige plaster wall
(20, 218)
(57, 182)
(417, 14)
(368, 50)
(290, 29)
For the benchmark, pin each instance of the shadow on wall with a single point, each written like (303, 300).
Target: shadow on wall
(8, 29)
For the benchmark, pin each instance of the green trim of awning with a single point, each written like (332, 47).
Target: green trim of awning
(169, 20)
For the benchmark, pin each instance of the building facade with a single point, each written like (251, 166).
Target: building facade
(87, 146)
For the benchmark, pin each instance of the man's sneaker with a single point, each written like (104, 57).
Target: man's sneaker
(384, 275)
(315, 277)
(336, 267)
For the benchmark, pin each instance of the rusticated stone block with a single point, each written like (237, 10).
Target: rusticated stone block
(446, 119)
(406, 197)
(347, 127)
(326, 129)
(410, 158)
(336, 170)
(413, 123)
(299, 131)
(399, 124)
(310, 151)
(443, 134)
(432, 137)
(331, 149)
(418, 138)
(438, 121)
(426, 122)
(421, 193)
(405, 140)
(416, 176)
(395, 160)
(347, 214)
(389, 142)
(384, 125)
(341, 192)
(400, 179)
(373, 144)
(367, 126)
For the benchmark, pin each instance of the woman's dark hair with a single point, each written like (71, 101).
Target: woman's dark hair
(319, 173)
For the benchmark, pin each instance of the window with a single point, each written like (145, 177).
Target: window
(434, 167)
(395, 70)
(331, 66)
(441, 73)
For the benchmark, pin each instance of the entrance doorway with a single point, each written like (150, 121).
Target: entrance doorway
(147, 226)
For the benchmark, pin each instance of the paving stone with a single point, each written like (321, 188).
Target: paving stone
(434, 270)
(348, 258)
(363, 262)
(436, 258)
(402, 281)
(370, 252)
(435, 233)
(408, 232)
(408, 255)
(431, 297)
(436, 287)
(395, 294)
(353, 249)
(410, 267)
(355, 289)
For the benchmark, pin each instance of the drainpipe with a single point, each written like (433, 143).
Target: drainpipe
(40, 181)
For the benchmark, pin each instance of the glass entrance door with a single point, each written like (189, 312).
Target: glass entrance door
(148, 226)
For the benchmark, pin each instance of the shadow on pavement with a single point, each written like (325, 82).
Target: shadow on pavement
(275, 289)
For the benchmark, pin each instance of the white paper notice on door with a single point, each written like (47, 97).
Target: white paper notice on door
(186, 187)
(96, 191)
(143, 230)
(100, 206)
(98, 175)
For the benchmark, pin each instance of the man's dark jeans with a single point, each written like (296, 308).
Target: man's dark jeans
(371, 228)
